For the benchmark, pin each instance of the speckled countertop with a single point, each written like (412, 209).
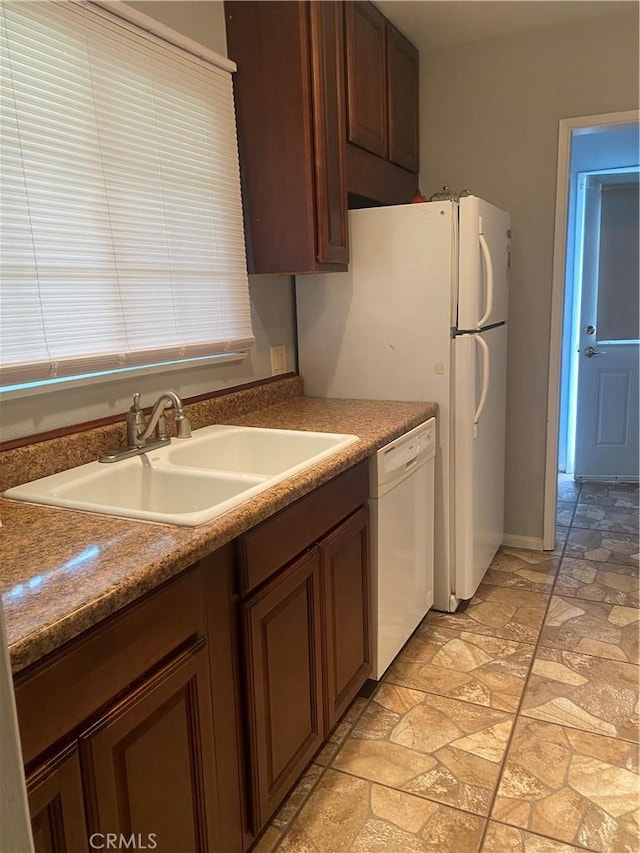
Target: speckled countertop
(63, 571)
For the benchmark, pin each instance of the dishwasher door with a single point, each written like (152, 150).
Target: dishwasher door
(402, 508)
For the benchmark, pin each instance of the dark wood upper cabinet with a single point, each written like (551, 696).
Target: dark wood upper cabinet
(289, 95)
(366, 77)
(326, 97)
(402, 99)
(327, 52)
(382, 97)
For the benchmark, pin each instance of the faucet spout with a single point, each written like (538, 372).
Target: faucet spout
(165, 401)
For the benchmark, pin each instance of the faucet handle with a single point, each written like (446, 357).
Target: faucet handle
(135, 422)
(183, 425)
(161, 428)
(135, 413)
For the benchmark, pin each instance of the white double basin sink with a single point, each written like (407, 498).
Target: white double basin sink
(190, 481)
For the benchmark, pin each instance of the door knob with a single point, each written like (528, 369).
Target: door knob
(590, 352)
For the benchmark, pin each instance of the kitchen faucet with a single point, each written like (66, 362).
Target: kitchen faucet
(139, 432)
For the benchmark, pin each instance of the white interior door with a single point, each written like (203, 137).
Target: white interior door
(607, 436)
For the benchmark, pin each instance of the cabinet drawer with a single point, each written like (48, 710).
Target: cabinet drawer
(275, 542)
(58, 694)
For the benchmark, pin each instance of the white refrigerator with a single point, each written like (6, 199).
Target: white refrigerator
(422, 315)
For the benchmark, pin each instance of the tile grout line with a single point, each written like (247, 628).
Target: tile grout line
(577, 845)
(517, 716)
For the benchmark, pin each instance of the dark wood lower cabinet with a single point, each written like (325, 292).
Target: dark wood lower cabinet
(57, 806)
(222, 602)
(307, 634)
(284, 682)
(345, 579)
(180, 723)
(147, 762)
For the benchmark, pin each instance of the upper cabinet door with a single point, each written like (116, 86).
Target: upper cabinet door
(328, 85)
(366, 77)
(402, 92)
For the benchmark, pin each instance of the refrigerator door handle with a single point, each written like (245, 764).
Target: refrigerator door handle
(486, 378)
(488, 265)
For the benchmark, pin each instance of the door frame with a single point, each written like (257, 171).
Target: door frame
(565, 130)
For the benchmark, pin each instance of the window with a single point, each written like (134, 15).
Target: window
(121, 220)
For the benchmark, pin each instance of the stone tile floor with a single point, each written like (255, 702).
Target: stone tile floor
(509, 727)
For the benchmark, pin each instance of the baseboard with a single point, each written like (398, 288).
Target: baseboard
(529, 543)
(602, 478)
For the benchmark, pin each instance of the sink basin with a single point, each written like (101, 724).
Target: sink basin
(254, 450)
(187, 482)
(136, 488)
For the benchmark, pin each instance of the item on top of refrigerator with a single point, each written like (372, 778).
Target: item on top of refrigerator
(446, 194)
(418, 198)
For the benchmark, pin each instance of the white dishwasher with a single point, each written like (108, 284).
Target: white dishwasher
(401, 477)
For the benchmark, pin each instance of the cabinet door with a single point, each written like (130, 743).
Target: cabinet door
(366, 77)
(289, 116)
(346, 590)
(402, 93)
(284, 682)
(328, 84)
(144, 761)
(56, 805)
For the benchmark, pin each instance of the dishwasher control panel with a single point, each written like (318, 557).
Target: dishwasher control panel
(402, 454)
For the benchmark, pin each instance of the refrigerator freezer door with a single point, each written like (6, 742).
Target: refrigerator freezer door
(479, 441)
(483, 280)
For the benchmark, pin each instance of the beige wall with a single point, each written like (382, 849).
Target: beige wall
(489, 122)
(272, 308)
(200, 20)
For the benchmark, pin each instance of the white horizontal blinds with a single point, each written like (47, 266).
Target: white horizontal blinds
(121, 219)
